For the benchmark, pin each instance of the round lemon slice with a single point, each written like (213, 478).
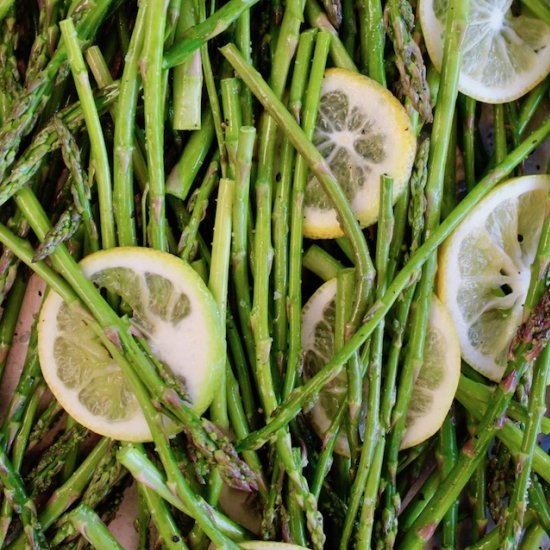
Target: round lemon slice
(363, 132)
(485, 268)
(504, 56)
(434, 388)
(174, 311)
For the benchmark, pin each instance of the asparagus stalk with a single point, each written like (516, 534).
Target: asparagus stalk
(18, 452)
(168, 531)
(124, 143)
(9, 318)
(515, 514)
(187, 83)
(198, 35)
(151, 64)
(41, 477)
(372, 451)
(80, 189)
(399, 23)
(22, 504)
(90, 526)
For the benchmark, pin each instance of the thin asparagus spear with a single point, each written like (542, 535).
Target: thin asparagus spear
(212, 92)
(22, 504)
(446, 458)
(182, 176)
(515, 513)
(374, 437)
(530, 106)
(18, 452)
(198, 35)
(219, 279)
(46, 40)
(47, 419)
(41, 477)
(243, 41)
(9, 318)
(10, 85)
(239, 259)
(320, 262)
(26, 384)
(287, 218)
(151, 62)
(90, 526)
(468, 140)
(318, 19)
(80, 189)
(294, 299)
(416, 212)
(124, 143)
(233, 120)
(142, 521)
(187, 77)
(372, 39)
(399, 22)
(187, 245)
(168, 531)
(439, 144)
(98, 147)
(538, 504)
(64, 229)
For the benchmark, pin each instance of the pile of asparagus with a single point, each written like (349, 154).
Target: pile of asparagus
(187, 126)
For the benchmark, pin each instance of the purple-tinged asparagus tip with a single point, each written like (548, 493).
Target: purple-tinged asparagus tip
(427, 532)
(510, 382)
(469, 448)
(113, 335)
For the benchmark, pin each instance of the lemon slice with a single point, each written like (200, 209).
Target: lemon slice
(435, 385)
(171, 307)
(485, 269)
(504, 56)
(363, 132)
